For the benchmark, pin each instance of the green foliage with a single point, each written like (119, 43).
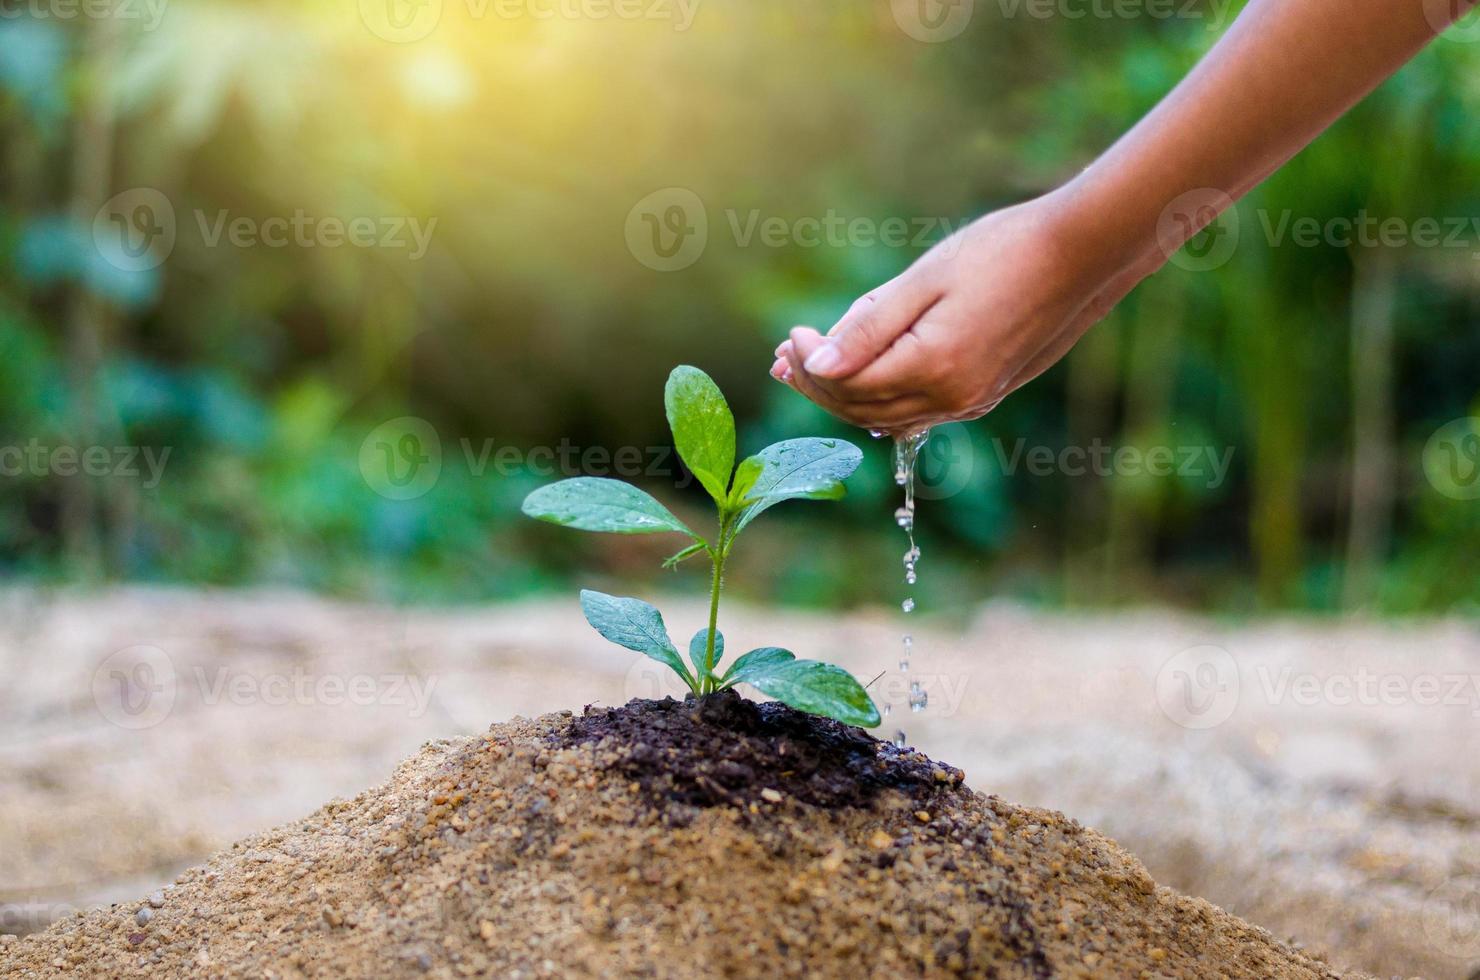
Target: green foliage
(703, 428)
(807, 685)
(633, 624)
(699, 649)
(263, 368)
(808, 469)
(704, 433)
(590, 504)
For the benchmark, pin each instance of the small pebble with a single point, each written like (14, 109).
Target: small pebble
(922, 816)
(143, 916)
(157, 900)
(770, 796)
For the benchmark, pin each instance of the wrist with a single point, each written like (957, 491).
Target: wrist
(1103, 233)
(1137, 207)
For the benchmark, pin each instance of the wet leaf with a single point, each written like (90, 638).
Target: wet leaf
(703, 428)
(756, 662)
(633, 624)
(810, 469)
(592, 504)
(807, 685)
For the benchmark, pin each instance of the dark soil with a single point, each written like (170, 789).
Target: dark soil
(722, 750)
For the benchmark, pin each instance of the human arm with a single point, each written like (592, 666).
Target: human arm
(999, 302)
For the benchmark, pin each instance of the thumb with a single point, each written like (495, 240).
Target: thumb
(871, 325)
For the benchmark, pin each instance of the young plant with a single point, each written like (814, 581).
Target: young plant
(704, 433)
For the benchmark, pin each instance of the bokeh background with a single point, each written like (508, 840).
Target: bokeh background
(298, 300)
(521, 147)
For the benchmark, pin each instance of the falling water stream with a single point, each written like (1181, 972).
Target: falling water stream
(906, 453)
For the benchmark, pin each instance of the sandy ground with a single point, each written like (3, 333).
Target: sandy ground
(667, 840)
(1320, 779)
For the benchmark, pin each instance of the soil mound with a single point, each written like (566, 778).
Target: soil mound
(666, 839)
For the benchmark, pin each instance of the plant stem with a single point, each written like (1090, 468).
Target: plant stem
(717, 554)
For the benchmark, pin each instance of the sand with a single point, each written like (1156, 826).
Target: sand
(666, 839)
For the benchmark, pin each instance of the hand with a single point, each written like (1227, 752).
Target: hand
(979, 315)
(995, 305)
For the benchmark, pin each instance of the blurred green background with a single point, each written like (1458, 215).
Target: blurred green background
(525, 145)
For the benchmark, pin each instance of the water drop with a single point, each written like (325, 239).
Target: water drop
(877, 433)
(906, 454)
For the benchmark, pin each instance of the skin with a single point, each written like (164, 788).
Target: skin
(997, 304)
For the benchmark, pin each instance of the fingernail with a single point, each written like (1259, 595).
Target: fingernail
(823, 359)
(786, 375)
(781, 348)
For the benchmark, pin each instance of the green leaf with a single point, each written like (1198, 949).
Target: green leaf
(673, 561)
(811, 469)
(756, 663)
(697, 650)
(811, 686)
(749, 471)
(703, 428)
(633, 624)
(591, 504)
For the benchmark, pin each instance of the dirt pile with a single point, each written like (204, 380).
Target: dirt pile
(661, 839)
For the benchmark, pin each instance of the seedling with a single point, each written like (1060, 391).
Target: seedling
(704, 433)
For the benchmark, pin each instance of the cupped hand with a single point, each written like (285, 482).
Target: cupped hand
(979, 315)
